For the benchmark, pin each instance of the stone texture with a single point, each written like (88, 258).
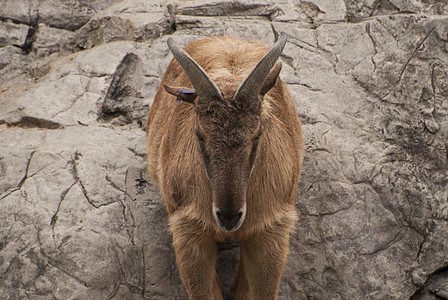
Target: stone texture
(81, 219)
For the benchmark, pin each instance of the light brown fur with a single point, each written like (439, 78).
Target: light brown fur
(175, 164)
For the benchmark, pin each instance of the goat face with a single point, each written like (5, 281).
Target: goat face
(228, 132)
(228, 128)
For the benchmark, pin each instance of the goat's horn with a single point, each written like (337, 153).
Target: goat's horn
(251, 86)
(202, 83)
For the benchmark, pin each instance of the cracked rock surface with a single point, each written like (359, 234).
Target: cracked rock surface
(80, 217)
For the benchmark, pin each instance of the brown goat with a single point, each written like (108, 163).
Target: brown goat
(225, 149)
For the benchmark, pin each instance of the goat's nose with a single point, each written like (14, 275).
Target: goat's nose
(229, 220)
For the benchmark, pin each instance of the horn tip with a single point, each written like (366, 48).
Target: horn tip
(283, 36)
(170, 42)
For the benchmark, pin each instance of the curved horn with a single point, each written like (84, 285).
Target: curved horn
(252, 84)
(204, 86)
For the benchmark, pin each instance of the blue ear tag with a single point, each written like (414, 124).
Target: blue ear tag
(183, 91)
(186, 91)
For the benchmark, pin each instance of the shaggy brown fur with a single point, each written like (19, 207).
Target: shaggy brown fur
(229, 129)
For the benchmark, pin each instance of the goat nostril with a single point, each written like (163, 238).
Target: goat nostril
(229, 219)
(238, 217)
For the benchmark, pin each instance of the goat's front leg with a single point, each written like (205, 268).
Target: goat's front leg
(195, 257)
(262, 260)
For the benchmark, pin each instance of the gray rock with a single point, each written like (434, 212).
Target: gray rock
(12, 34)
(62, 14)
(11, 64)
(357, 10)
(80, 217)
(49, 40)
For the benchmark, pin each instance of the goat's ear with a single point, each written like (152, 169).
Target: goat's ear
(272, 77)
(182, 94)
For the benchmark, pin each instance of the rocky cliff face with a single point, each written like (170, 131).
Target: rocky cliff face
(79, 216)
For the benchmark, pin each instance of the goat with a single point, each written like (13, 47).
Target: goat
(225, 148)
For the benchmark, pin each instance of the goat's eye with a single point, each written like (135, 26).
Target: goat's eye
(200, 137)
(258, 136)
